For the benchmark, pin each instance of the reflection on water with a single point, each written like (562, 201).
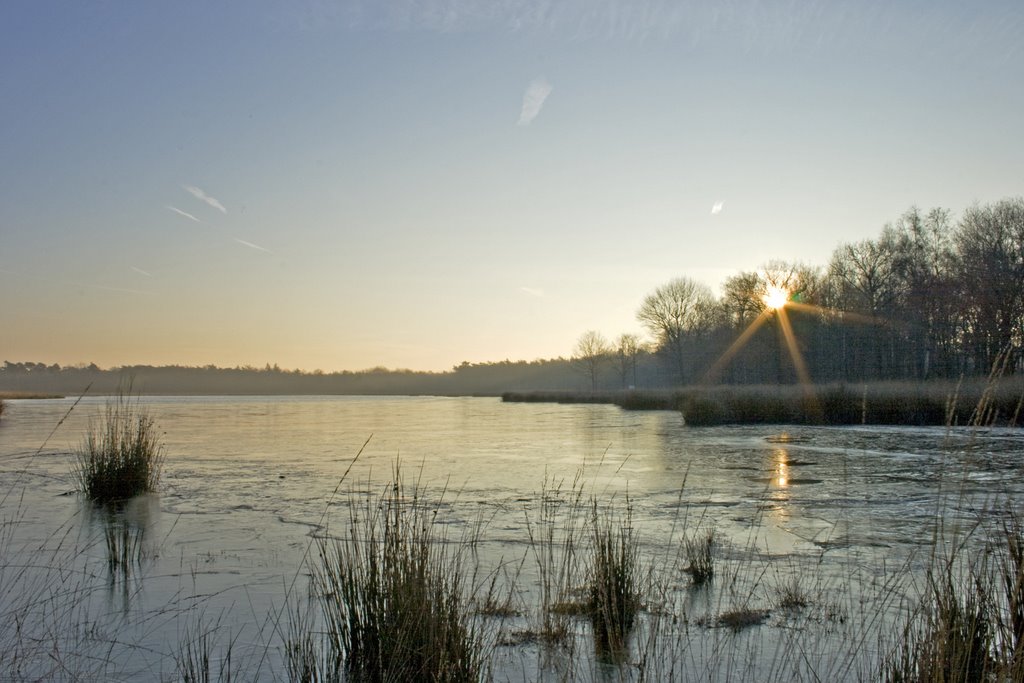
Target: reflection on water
(249, 480)
(781, 459)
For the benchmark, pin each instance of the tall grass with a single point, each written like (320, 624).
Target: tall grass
(197, 659)
(970, 624)
(614, 584)
(553, 542)
(122, 455)
(700, 558)
(392, 602)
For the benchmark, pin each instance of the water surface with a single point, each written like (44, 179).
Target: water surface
(248, 481)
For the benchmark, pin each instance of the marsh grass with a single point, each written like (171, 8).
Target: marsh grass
(791, 594)
(613, 581)
(935, 403)
(392, 599)
(200, 657)
(970, 625)
(122, 455)
(554, 541)
(699, 552)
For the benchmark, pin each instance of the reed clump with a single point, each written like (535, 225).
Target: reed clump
(700, 558)
(614, 585)
(971, 624)
(122, 455)
(392, 602)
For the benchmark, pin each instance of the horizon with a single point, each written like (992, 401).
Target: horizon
(339, 185)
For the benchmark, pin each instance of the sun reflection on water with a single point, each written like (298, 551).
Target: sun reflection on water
(781, 472)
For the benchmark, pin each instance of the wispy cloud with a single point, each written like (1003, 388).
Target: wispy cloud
(203, 197)
(252, 246)
(118, 289)
(140, 271)
(532, 291)
(186, 214)
(533, 99)
(717, 208)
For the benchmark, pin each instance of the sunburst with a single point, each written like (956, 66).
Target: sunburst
(778, 300)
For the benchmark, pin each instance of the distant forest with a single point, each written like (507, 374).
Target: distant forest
(929, 298)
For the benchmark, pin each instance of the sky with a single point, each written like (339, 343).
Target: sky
(347, 184)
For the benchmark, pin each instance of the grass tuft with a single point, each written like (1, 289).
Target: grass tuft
(700, 559)
(739, 619)
(392, 601)
(792, 595)
(614, 581)
(121, 456)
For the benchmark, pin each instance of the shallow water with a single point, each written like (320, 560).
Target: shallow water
(249, 480)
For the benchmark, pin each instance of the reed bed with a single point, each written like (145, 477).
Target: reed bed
(881, 403)
(969, 625)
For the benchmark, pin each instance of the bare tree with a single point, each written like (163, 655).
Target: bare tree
(930, 306)
(742, 298)
(673, 313)
(629, 347)
(591, 352)
(990, 243)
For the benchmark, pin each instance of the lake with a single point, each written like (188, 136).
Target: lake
(849, 514)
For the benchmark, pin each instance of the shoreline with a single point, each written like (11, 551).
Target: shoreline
(27, 395)
(880, 403)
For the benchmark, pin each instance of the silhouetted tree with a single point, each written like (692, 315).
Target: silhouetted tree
(628, 348)
(990, 245)
(591, 352)
(673, 313)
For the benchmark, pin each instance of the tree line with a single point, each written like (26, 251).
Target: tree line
(929, 298)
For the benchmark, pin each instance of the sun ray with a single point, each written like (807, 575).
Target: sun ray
(723, 360)
(846, 315)
(801, 366)
(794, 350)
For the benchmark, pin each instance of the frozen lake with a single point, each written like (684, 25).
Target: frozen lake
(250, 481)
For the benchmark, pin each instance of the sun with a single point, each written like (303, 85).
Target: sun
(775, 298)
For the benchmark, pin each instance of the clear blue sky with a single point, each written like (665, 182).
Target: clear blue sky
(340, 185)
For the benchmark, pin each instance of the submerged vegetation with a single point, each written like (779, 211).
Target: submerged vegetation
(121, 455)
